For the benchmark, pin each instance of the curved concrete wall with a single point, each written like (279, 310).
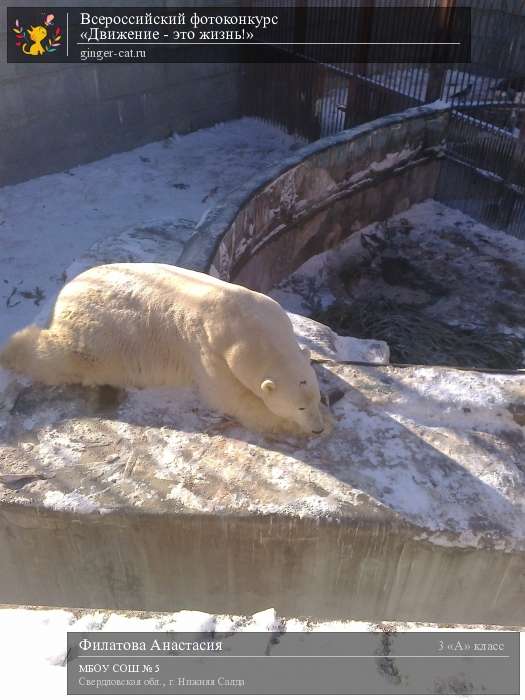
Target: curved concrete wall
(316, 199)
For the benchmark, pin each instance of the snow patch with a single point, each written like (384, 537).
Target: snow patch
(75, 502)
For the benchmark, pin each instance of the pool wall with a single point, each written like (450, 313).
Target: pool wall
(319, 197)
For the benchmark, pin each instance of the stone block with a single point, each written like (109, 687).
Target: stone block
(109, 502)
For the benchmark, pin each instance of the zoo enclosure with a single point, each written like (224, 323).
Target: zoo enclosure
(483, 173)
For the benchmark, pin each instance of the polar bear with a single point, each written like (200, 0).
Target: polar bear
(150, 325)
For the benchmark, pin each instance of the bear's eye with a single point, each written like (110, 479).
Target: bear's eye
(302, 409)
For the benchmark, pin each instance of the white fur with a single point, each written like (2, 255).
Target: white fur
(147, 324)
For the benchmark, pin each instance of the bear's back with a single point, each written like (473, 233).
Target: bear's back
(157, 294)
(138, 283)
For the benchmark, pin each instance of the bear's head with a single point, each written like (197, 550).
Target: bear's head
(296, 396)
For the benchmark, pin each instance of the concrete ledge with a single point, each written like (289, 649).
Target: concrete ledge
(413, 508)
(372, 569)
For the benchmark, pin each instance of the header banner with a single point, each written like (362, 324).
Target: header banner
(238, 34)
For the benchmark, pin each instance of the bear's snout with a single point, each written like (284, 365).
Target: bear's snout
(313, 421)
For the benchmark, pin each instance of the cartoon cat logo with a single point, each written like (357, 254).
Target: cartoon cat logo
(32, 41)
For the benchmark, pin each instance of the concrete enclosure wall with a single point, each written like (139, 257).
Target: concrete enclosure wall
(59, 115)
(364, 568)
(320, 196)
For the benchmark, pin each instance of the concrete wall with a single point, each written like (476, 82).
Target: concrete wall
(362, 568)
(320, 196)
(56, 116)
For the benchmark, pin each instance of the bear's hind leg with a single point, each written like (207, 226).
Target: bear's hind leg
(48, 357)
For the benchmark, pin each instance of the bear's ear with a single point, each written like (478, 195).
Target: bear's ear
(306, 352)
(268, 385)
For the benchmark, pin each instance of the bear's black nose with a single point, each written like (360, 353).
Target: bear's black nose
(318, 432)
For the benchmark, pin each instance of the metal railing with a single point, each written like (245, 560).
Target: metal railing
(486, 136)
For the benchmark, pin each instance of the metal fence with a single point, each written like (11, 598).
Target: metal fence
(485, 171)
